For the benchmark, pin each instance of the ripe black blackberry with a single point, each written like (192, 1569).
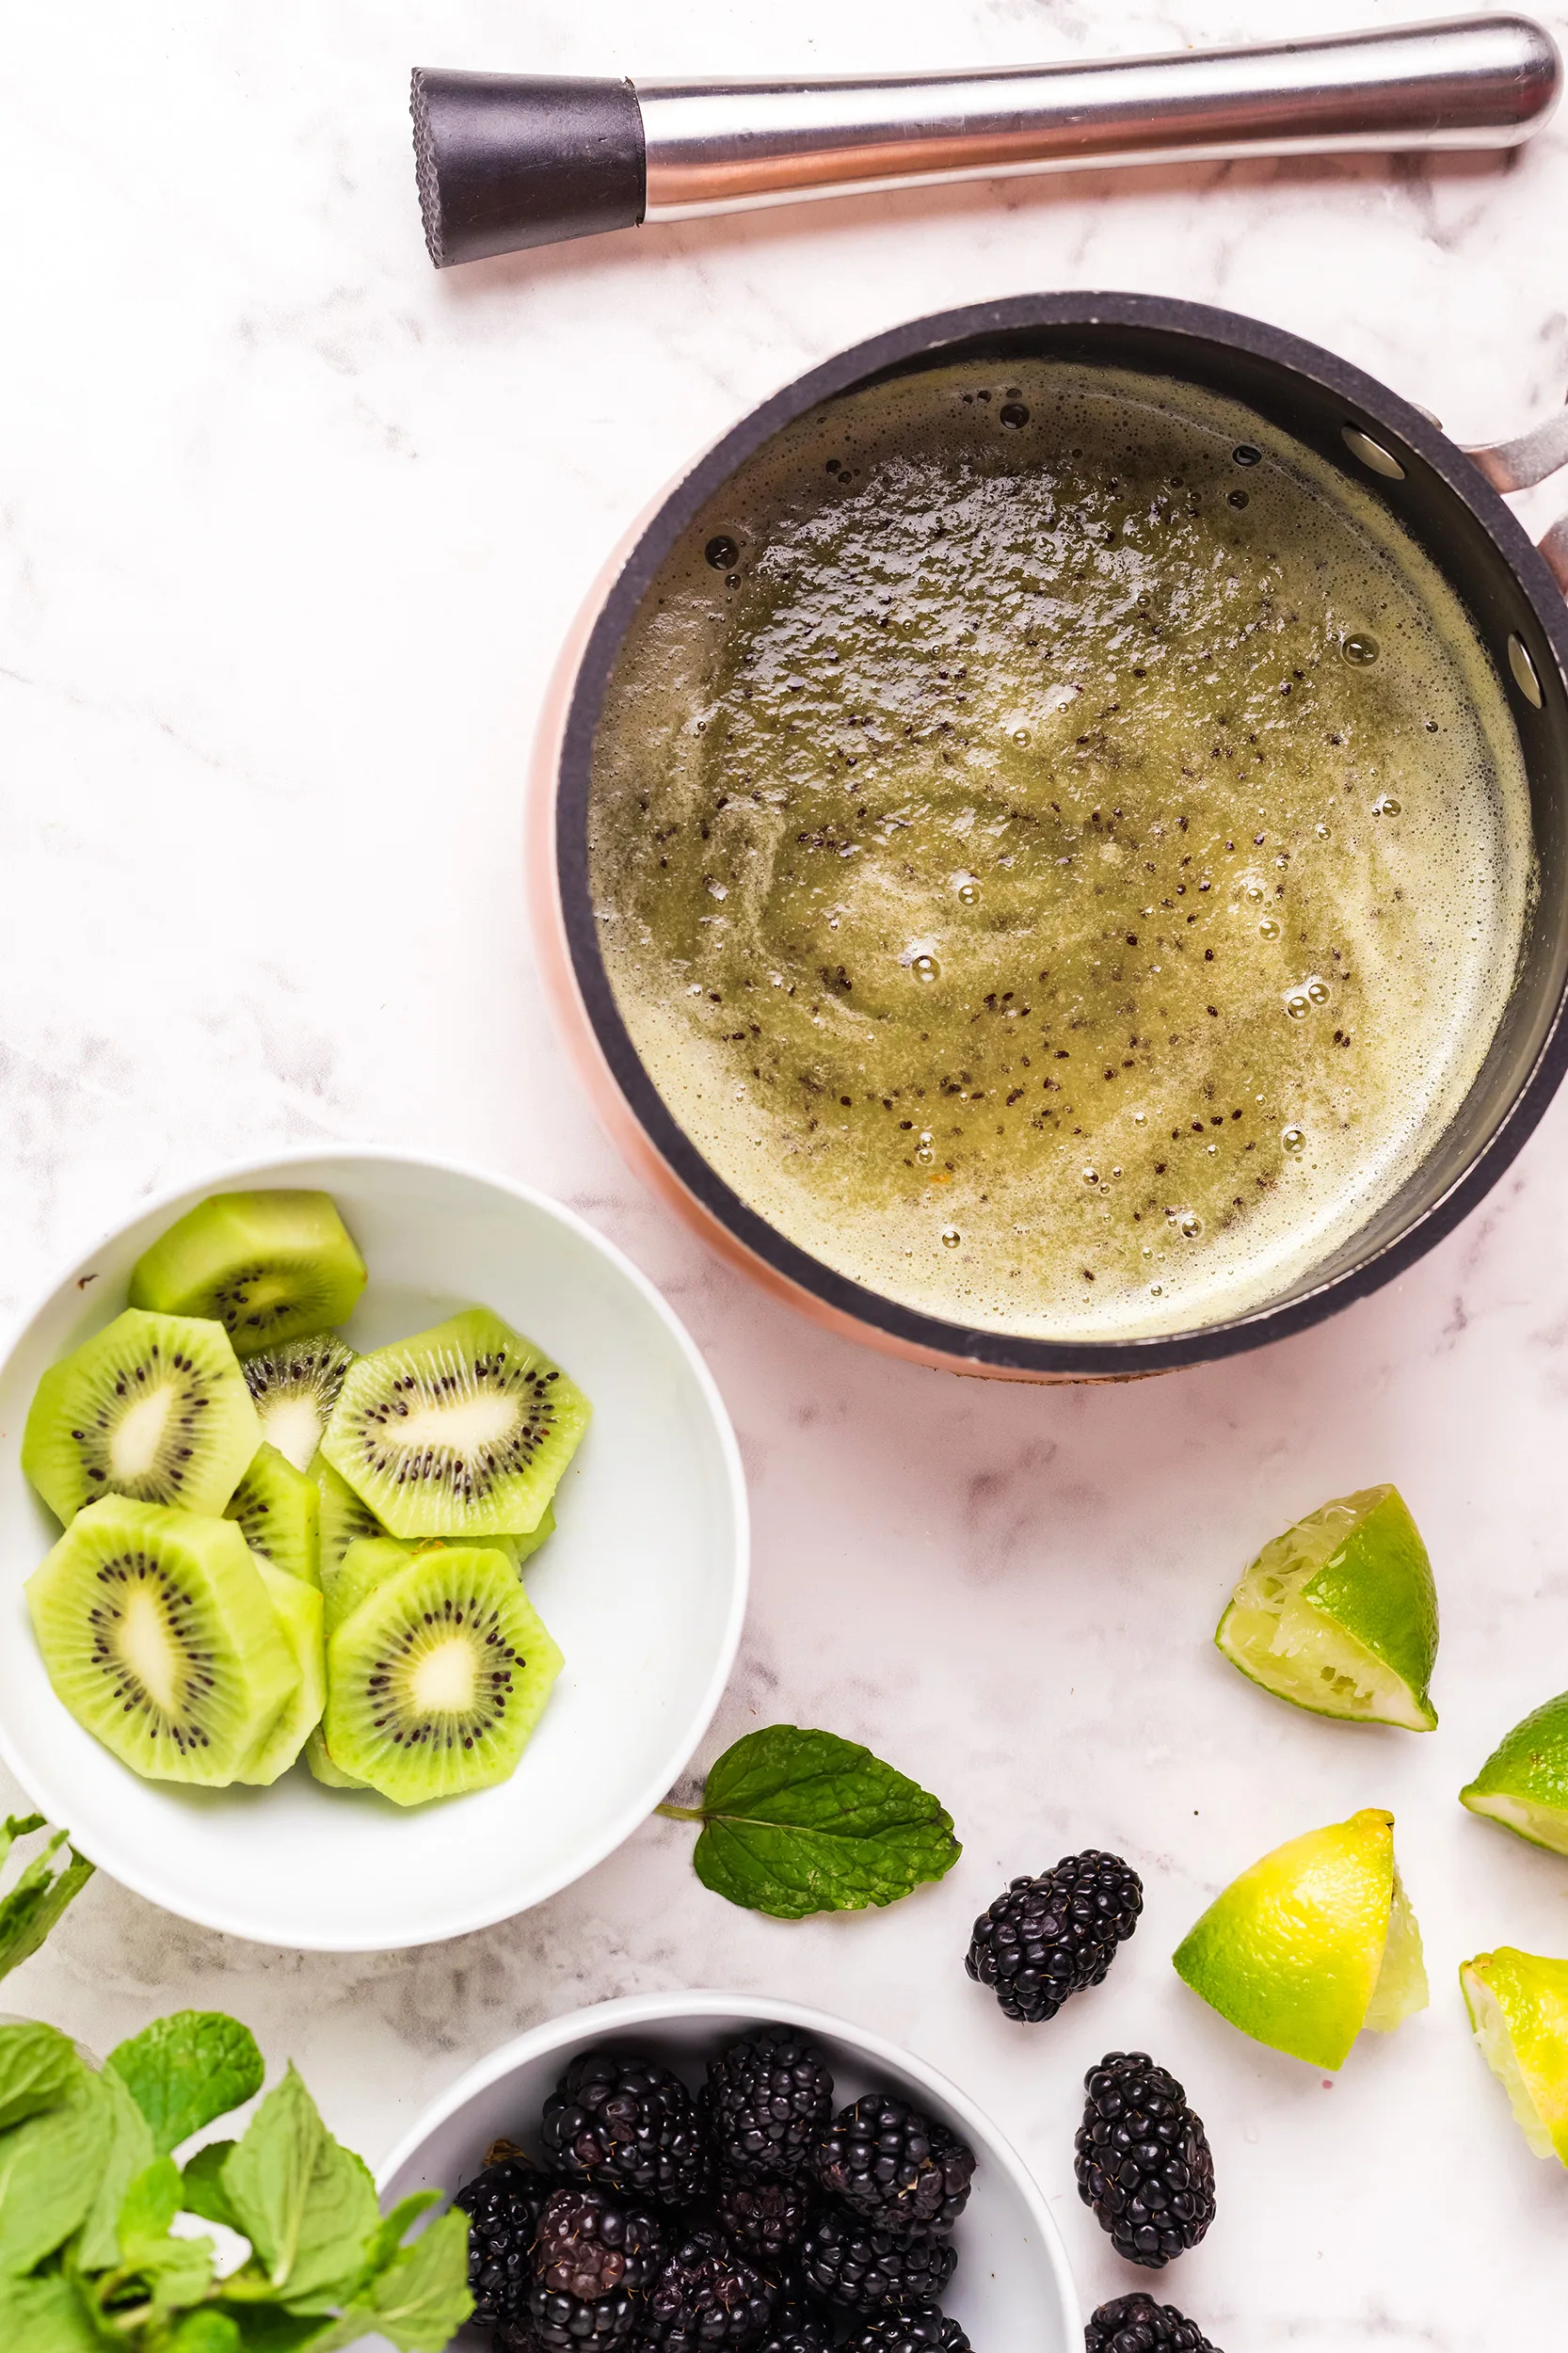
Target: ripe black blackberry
(799, 2327)
(1144, 2162)
(1136, 2324)
(862, 2270)
(707, 2296)
(1055, 1935)
(593, 2255)
(767, 2100)
(893, 2167)
(503, 2204)
(562, 2323)
(766, 2219)
(626, 2122)
(928, 2332)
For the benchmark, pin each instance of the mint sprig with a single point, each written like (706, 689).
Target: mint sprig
(796, 1822)
(31, 1907)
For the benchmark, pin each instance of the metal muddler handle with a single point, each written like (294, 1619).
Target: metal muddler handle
(508, 160)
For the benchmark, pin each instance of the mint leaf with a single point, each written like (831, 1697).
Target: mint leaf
(186, 2071)
(148, 2208)
(32, 1907)
(206, 2332)
(202, 2190)
(50, 2168)
(127, 2149)
(45, 2316)
(421, 2299)
(267, 2329)
(395, 2228)
(307, 2205)
(38, 2068)
(797, 1821)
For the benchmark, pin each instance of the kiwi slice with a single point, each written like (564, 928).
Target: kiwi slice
(159, 1636)
(300, 1621)
(267, 1266)
(154, 1407)
(460, 1431)
(294, 1387)
(521, 1548)
(366, 1564)
(436, 1680)
(279, 1512)
(319, 1758)
(343, 1519)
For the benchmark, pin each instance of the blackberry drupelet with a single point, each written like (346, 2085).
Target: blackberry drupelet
(1136, 2324)
(1055, 1935)
(503, 2204)
(927, 2331)
(707, 2296)
(1143, 2162)
(766, 2102)
(626, 2122)
(766, 2219)
(864, 2270)
(893, 2167)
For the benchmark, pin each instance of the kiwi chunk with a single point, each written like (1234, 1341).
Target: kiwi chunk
(319, 1758)
(460, 1431)
(159, 1636)
(343, 1519)
(293, 1388)
(267, 1266)
(366, 1564)
(436, 1681)
(300, 1621)
(154, 1407)
(278, 1510)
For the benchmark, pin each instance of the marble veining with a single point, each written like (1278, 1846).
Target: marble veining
(291, 529)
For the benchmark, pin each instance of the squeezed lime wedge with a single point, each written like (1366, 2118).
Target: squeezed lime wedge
(1523, 1783)
(1313, 1944)
(1339, 1614)
(1518, 2005)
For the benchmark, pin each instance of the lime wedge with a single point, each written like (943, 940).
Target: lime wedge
(1312, 1943)
(1518, 2006)
(1523, 1783)
(1339, 1614)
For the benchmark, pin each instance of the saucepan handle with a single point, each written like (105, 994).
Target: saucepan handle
(1520, 464)
(507, 161)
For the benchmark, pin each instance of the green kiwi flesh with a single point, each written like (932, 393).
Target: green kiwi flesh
(461, 1432)
(267, 1266)
(299, 1620)
(366, 1564)
(278, 1510)
(154, 1407)
(159, 1635)
(343, 1519)
(293, 1388)
(318, 1757)
(437, 1680)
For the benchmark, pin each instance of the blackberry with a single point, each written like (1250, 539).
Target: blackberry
(503, 2204)
(1136, 2324)
(766, 2219)
(863, 2270)
(767, 2100)
(628, 2123)
(591, 2256)
(799, 2327)
(893, 2167)
(1055, 1935)
(926, 2331)
(708, 2295)
(1144, 2162)
(561, 2323)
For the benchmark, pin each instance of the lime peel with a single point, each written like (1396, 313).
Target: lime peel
(1523, 1783)
(1518, 2005)
(1338, 1615)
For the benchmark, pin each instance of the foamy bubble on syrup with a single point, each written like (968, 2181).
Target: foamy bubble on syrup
(1200, 748)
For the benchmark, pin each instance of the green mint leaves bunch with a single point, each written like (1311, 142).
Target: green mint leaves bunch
(90, 2253)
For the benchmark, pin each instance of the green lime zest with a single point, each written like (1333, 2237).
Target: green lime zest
(1518, 2005)
(1523, 1783)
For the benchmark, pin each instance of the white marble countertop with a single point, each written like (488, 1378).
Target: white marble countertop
(292, 528)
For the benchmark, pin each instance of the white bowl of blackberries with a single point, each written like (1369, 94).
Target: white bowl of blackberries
(702, 2172)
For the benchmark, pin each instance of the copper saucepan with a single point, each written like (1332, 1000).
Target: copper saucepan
(1446, 497)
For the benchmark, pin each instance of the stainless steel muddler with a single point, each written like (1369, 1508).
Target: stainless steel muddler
(507, 161)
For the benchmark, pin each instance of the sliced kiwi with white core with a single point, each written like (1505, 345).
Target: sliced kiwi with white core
(278, 1510)
(300, 1621)
(160, 1637)
(460, 1431)
(267, 1266)
(154, 1406)
(293, 1388)
(436, 1681)
(343, 1519)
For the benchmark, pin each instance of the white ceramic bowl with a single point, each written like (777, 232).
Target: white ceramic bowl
(643, 1587)
(1012, 2289)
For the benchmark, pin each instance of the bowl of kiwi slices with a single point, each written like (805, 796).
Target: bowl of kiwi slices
(375, 1550)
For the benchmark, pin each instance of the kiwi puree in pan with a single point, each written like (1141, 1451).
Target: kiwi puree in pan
(1060, 851)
